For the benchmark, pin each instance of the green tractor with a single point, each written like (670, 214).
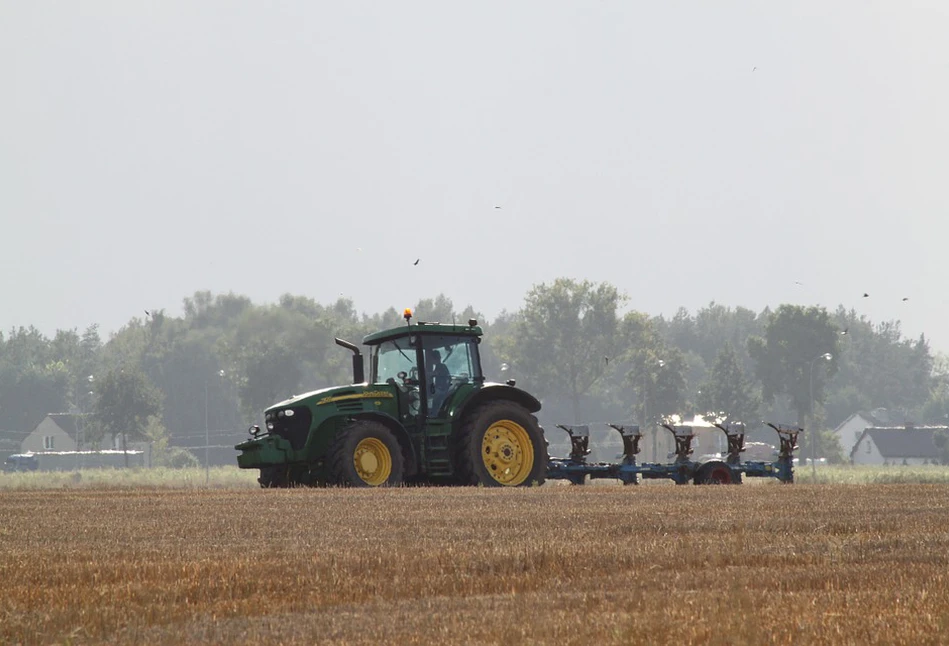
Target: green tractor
(426, 415)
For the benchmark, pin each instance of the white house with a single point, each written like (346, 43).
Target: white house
(850, 430)
(68, 432)
(897, 445)
(57, 432)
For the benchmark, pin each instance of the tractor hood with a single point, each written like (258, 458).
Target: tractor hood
(316, 398)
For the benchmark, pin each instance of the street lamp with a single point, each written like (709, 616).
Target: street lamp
(81, 424)
(207, 432)
(826, 357)
(655, 433)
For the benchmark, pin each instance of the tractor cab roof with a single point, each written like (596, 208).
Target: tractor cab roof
(422, 328)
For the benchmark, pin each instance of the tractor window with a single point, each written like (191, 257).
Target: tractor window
(391, 358)
(459, 355)
(450, 361)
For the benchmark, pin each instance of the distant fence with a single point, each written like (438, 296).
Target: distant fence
(73, 460)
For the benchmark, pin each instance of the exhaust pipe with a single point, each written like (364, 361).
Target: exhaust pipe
(359, 374)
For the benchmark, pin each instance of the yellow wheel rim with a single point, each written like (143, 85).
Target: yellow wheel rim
(508, 452)
(373, 461)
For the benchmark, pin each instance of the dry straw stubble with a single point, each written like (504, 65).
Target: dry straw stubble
(608, 565)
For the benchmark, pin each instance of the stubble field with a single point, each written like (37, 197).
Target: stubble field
(858, 564)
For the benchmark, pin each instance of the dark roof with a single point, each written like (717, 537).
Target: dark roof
(421, 328)
(67, 422)
(884, 417)
(904, 442)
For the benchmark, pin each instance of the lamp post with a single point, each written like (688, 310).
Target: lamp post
(207, 432)
(655, 448)
(81, 426)
(826, 357)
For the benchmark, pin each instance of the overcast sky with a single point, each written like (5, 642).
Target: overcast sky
(682, 152)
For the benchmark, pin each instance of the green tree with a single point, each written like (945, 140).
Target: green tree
(267, 372)
(564, 336)
(941, 440)
(126, 400)
(658, 379)
(34, 381)
(728, 394)
(788, 359)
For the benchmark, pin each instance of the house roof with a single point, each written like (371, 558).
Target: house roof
(899, 442)
(880, 417)
(67, 422)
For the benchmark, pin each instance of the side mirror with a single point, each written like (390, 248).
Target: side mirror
(254, 431)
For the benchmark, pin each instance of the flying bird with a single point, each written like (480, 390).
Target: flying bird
(905, 298)
(607, 359)
(866, 295)
(416, 261)
(753, 69)
(846, 329)
(147, 313)
(497, 207)
(797, 282)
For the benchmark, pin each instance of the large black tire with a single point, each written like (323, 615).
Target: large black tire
(716, 472)
(366, 454)
(274, 477)
(500, 444)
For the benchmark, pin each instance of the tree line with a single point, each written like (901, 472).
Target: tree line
(574, 344)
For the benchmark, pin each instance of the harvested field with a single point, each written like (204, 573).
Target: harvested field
(567, 565)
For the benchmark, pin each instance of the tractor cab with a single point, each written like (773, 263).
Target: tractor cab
(429, 365)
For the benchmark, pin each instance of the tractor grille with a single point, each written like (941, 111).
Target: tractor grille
(295, 428)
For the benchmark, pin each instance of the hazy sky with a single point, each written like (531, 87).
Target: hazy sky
(683, 152)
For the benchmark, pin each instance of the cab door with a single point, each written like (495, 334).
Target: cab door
(449, 364)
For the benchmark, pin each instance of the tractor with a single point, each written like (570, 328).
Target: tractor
(425, 415)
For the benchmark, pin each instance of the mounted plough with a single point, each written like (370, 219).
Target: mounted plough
(683, 469)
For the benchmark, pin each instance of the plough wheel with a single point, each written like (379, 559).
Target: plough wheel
(500, 444)
(716, 473)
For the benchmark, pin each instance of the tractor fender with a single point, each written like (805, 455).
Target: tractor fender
(494, 392)
(411, 460)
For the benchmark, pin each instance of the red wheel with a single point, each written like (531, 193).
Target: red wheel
(716, 473)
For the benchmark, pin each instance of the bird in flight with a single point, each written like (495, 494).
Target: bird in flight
(147, 313)
(416, 261)
(905, 298)
(846, 329)
(866, 295)
(497, 207)
(797, 282)
(607, 359)
(753, 69)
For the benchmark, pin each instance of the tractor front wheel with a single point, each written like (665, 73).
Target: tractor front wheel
(500, 444)
(366, 454)
(274, 477)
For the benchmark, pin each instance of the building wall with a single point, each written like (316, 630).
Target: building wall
(36, 443)
(867, 452)
(849, 432)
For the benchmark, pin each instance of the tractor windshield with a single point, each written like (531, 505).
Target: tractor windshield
(391, 358)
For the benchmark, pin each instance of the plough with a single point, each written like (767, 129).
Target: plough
(683, 469)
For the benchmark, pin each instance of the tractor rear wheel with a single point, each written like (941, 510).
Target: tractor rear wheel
(716, 472)
(500, 444)
(366, 454)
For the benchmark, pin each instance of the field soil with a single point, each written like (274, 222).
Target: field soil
(770, 564)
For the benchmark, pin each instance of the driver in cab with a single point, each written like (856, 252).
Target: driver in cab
(440, 380)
